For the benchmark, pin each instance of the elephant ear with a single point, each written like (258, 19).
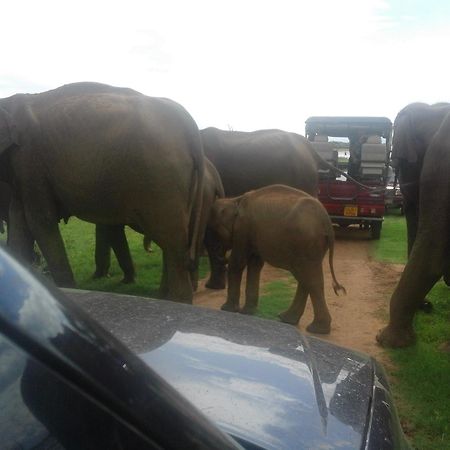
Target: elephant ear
(8, 131)
(406, 145)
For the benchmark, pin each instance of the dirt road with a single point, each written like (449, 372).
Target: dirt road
(362, 312)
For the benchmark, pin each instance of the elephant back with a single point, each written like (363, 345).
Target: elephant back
(251, 160)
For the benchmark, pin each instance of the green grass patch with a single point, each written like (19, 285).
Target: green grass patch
(79, 238)
(391, 247)
(421, 379)
(276, 298)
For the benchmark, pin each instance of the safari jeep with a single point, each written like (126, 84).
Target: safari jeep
(361, 146)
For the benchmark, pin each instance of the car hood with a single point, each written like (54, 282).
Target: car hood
(260, 381)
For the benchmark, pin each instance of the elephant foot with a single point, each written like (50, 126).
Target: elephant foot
(396, 338)
(216, 282)
(319, 327)
(98, 274)
(230, 307)
(288, 317)
(128, 279)
(249, 310)
(426, 306)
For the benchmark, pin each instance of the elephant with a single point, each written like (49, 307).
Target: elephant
(251, 160)
(244, 161)
(107, 155)
(287, 228)
(113, 236)
(414, 128)
(429, 256)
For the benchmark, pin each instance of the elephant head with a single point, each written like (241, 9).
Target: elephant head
(222, 219)
(8, 132)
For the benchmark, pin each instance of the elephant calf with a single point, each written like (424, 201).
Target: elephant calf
(287, 228)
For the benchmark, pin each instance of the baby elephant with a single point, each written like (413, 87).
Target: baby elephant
(287, 228)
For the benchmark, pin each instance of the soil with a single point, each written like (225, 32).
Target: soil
(357, 316)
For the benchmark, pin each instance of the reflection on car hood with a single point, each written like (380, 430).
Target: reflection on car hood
(261, 381)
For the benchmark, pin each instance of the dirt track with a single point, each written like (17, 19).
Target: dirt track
(362, 312)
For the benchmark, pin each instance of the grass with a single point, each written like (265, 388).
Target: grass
(276, 297)
(79, 238)
(391, 247)
(421, 378)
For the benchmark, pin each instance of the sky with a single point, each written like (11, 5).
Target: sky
(242, 65)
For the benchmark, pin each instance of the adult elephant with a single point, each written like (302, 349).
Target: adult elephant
(113, 237)
(251, 160)
(110, 158)
(429, 257)
(244, 161)
(414, 128)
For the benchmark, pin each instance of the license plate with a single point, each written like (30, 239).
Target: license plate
(351, 211)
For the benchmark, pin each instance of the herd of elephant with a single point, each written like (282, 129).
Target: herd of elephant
(115, 157)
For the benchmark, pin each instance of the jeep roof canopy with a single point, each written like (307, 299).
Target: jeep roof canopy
(348, 126)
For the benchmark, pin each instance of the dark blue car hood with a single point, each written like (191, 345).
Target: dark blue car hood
(260, 381)
(278, 399)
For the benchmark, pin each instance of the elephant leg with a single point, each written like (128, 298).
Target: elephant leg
(411, 209)
(235, 268)
(107, 236)
(310, 275)
(121, 249)
(44, 227)
(217, 261)
(178, 277)
(19, 239)
(416, 281)
(254, 266)
(102, 251)
(412, 221)
(295, 311)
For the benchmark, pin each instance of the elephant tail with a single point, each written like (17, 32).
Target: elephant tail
(196, 198)
(337, 287)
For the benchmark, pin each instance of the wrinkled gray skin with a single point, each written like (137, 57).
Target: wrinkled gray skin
(108, 236)
(288, 229)
(111, 158)
(429, 257)
(251, 160)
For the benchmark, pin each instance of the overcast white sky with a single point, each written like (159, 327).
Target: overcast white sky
(242, 64)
